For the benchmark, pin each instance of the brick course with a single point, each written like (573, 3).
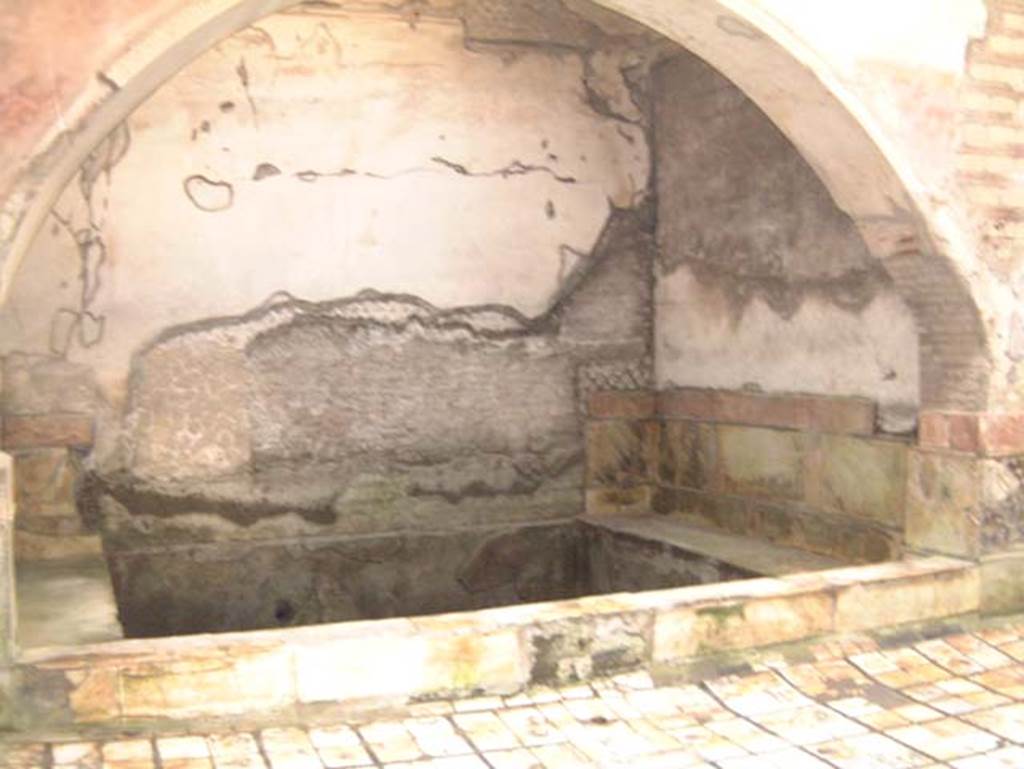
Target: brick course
(616, 404)
(854, 416)
(984, 434)
(47, 430)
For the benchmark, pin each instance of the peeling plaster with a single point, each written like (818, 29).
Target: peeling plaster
(272, 425)
(80, 324)
(515, 137)
(207, 194)
(265, 171)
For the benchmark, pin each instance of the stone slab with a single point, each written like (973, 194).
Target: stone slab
(943, 503)
(864, 478)
(761, 462)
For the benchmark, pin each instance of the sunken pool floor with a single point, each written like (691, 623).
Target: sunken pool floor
(250, 587)
(417, 573)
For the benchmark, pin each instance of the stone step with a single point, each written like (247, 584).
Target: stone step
(746, 553)
(65, 602)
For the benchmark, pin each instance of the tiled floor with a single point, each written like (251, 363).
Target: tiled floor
(956, 701)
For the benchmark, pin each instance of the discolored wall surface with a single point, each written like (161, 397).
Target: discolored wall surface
(350, 271)
(368, 414)
(355, 271)
(946, 121)
(763, 283)
(465, 157)
(301, 424)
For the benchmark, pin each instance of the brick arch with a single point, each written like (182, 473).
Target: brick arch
(926, 256)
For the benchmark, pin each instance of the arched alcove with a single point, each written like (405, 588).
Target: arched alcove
(561, 329)
(924, 253)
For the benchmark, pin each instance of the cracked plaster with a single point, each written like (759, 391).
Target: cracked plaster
(284, 158)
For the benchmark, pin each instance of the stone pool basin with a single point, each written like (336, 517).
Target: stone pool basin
(193, 589)
(295, 671)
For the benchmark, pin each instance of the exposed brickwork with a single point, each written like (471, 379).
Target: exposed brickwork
(48, 522)
(964, 435)
(688, 404)
(989, 435)
(992, 130)
(995, 69)
(991, 147)
(47, 430)
(933, 430)
(954, 369)
(1002, 434)
(622, 405)
(853, 416)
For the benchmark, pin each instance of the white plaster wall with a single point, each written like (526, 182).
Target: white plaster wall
(408, 163)
(920, 34)
(822, 349)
